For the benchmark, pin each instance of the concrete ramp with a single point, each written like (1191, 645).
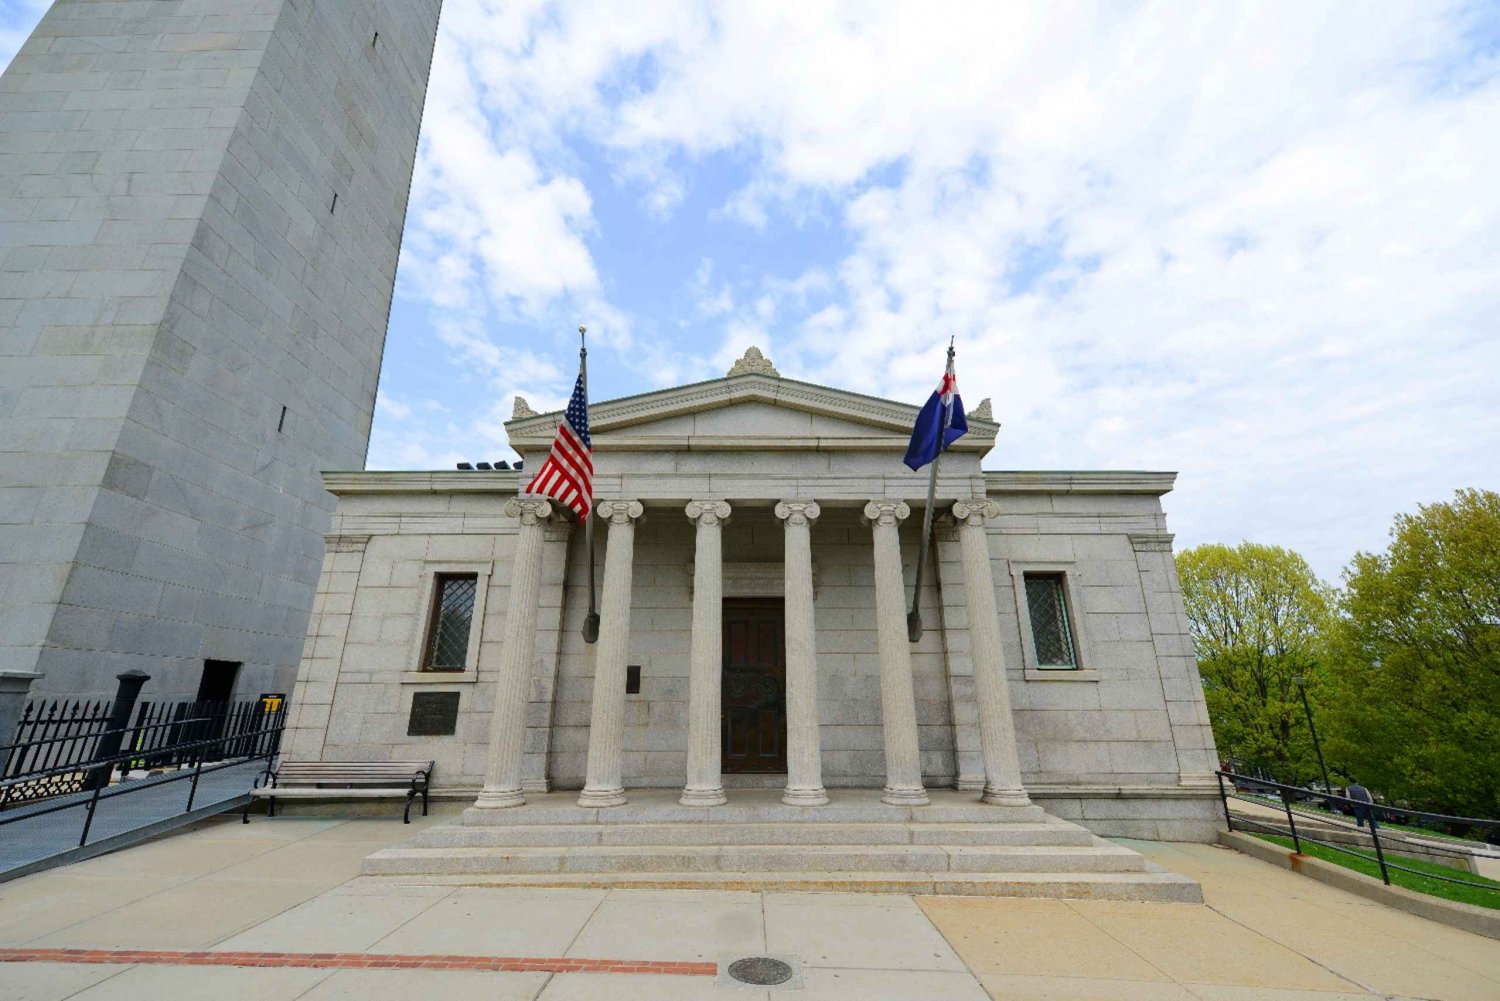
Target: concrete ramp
(154, 805)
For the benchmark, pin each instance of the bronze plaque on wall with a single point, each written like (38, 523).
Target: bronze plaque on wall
(433, 714)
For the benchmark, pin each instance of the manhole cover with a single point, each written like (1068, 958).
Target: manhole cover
(760, 970)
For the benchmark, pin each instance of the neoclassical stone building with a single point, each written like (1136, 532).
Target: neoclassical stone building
(756, 550)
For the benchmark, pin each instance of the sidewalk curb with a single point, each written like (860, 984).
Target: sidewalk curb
(1479, 920)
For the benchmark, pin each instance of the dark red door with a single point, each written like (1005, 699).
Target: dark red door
(754, 717)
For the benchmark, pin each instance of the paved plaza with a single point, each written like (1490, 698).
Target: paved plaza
(277, 910)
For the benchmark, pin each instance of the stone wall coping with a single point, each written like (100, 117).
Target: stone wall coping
(1058, 790)
(1108, 481)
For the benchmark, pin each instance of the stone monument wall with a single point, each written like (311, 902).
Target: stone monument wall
(202, 210)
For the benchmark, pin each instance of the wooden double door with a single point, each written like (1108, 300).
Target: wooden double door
(754, 686)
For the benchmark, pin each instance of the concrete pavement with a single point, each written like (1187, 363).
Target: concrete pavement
(276, 910)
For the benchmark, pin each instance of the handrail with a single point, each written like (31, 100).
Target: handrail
(186, 721)
(133, 755)
(273, 748)
(1315, 794)
(1299, 836)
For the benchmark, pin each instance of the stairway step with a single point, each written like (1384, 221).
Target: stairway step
(1155, 885)
(1102, 857)
(729, 834)
(844, 809)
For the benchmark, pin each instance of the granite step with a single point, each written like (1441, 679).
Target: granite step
(764, 808)
(1155, 885)
(1100, 857)
(544, 835)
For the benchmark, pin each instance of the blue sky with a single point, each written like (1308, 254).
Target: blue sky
(1257, 244)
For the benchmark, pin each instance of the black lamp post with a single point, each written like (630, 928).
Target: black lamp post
(1302, 689)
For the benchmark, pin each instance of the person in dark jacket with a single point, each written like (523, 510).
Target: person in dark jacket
(1362, 803)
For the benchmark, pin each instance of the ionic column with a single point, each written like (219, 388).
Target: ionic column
(502, 779)
(898, 701)
(804, 758)
(603, 787)
(705, 786)
(997, 728)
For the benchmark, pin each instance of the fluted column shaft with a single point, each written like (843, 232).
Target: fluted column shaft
(997, 728)
(898, 702)
(502, 779)
(804, 757)
(603, 786)
(705, 784)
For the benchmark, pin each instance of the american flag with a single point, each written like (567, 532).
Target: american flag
(568, 474)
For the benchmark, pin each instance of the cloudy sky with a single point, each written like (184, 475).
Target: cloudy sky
(1255, 243)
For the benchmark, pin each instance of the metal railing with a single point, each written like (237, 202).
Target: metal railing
(263, 742)
(1373, 813)
(59, 745)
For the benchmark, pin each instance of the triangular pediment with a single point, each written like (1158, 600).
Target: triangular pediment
(739, 410)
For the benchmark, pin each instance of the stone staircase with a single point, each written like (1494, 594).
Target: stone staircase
(956, 845)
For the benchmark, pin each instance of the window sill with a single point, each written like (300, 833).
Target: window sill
(1073, 674)
(439, 677)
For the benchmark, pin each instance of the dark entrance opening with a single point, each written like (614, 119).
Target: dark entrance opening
(217, 683)
(754, 713)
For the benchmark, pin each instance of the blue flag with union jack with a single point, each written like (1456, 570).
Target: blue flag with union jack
(568, 474)
(940, 424)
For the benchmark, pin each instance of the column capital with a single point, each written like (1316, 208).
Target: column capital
(529, 509)
(708, 512)
(886, 512)
(618, 512)
(798, 512)
(975, 512)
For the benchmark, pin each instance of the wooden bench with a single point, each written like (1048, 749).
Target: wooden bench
(341, 780)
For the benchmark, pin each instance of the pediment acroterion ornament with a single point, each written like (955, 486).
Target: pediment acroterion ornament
(521, 409)
(753, 363)
(982, 412)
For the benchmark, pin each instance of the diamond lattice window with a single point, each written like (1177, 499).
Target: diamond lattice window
(452, 615)
(1050, 633)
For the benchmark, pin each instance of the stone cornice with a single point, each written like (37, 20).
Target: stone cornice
(383, 481)
(610, 416)
(1078, 482)
(421, 481)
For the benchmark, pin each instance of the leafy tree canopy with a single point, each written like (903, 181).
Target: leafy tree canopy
(1259, 618)
(1416, 678)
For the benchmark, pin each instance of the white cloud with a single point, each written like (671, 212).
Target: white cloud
(1257, 244)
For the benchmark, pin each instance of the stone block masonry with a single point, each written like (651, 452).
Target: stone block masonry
(202, 211)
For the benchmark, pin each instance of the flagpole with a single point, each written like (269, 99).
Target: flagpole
(591, 620)
(914, 617)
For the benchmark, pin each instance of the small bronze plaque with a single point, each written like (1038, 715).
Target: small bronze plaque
(433, 714)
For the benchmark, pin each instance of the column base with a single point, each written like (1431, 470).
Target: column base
(703, 797)
(1005, 797)
(805, 797)
(497, 799)
(601, 797)
(905, 796)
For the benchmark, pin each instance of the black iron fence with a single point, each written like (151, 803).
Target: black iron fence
(207, 754)
(1256, 790)
(60, 746)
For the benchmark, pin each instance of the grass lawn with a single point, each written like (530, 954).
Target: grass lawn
(1411, 881)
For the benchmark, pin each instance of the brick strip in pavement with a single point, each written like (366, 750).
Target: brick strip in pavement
(356, 961)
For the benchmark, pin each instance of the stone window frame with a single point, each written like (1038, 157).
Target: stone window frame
(1082, 650)
(421, 636)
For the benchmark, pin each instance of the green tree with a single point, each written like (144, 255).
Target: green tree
(1259, 617)
(1417, 678)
